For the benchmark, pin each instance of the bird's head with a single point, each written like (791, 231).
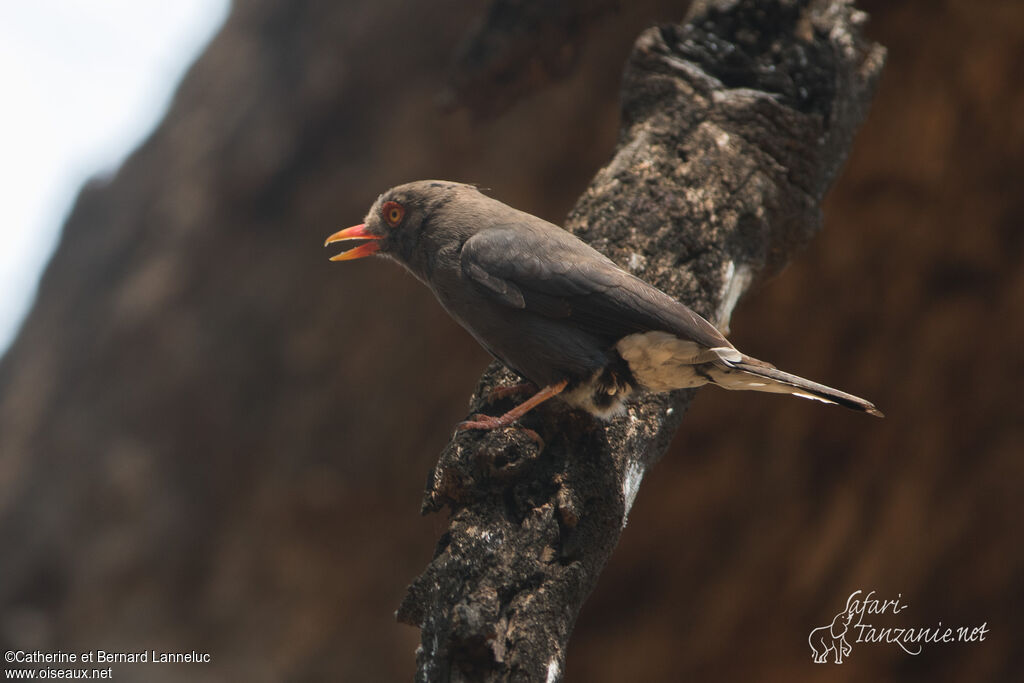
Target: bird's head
(403, 223)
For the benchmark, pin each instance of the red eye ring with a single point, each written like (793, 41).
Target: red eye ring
(392, 212)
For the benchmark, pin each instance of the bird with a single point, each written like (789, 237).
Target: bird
(553, 309)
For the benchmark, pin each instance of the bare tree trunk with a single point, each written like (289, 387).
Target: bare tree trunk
(735, 123)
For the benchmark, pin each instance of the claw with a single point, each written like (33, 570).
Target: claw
(480, 422)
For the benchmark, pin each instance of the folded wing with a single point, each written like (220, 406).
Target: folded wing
(551, 273)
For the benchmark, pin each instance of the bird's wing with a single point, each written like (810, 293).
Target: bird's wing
(551, 273)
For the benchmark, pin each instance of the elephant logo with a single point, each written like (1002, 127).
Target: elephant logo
(831, 638)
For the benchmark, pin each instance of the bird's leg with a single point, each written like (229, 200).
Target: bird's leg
(498, 393)
(488, 422)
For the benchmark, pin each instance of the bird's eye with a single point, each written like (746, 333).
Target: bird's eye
(392, 213)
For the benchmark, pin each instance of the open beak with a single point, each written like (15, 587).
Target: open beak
(356, 232)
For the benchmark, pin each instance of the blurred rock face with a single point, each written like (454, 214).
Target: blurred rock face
(211, 438)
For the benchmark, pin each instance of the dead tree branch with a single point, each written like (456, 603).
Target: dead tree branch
(735, 123)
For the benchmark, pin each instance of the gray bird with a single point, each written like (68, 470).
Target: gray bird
(554, 310)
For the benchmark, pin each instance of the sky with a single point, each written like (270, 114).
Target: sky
(84, 82)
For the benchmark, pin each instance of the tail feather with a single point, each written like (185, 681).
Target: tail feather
(752, 374)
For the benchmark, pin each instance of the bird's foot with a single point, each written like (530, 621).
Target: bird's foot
(488, 422)
(482, 422)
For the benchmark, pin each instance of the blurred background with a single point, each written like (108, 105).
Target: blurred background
(213, 439)
(87, 82)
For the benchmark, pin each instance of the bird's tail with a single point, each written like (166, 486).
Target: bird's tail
(755, 375)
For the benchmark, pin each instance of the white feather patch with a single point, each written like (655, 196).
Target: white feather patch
(661, 361)
(728, 378)
(812, 397)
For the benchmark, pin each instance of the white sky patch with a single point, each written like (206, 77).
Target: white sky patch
(86, 81)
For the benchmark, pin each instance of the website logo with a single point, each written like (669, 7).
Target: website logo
(866, 619)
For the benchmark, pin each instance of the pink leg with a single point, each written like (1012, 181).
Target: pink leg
(498, 393)
(488, 422)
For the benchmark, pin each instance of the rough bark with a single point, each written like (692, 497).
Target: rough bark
(735, 123)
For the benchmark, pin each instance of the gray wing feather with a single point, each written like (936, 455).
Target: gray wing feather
(503, 290)
(548, 271)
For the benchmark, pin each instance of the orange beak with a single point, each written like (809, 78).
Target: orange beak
(356, 232)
